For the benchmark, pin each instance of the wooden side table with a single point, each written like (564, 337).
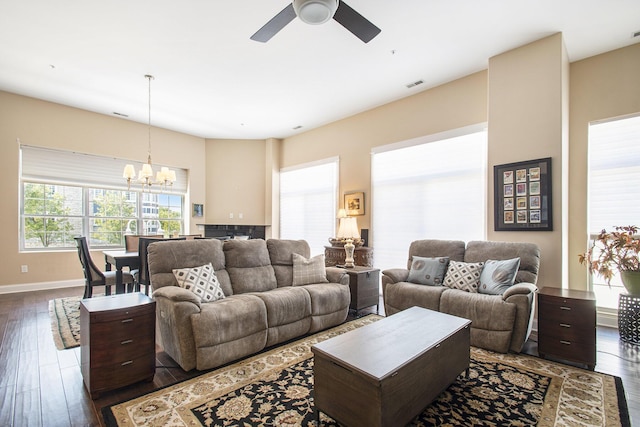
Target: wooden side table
(567, 325)
(335, 255)
(117, 341)
(364, 284)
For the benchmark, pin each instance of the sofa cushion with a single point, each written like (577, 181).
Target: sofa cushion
(463, 275)
(529, 254)
(280, 251)
(164, 256)
(249, 266)
(308, 270)
(403, 295)
(202, 281)
(498, 276)
(454, 249)
(428, 271)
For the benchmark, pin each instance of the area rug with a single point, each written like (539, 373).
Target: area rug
(65, 322)
(276, 388)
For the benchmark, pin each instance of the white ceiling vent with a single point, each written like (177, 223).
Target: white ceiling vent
(413, 84)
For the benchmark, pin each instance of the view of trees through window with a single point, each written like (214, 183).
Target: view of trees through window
(54, 214)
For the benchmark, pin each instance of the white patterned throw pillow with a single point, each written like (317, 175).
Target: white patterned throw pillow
(463, 275)
(308, 271)
(202, 281)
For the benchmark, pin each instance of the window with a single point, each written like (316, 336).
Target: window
(67, 194)
(308, 196)
(614, 188)
(429, 188)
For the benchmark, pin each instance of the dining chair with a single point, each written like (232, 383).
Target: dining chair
(93, 275)
(142, 275)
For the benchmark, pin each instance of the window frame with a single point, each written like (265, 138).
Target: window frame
(51, 167)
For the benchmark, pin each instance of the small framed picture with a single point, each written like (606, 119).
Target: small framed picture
(198, 210)
(354, 203)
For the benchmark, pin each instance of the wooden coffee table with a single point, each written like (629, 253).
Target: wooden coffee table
(387, 372)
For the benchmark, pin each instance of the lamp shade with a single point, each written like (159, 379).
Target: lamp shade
(129, 172)
(348, 228)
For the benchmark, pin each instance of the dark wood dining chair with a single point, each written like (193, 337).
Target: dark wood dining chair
(142, 276)
(93, 276)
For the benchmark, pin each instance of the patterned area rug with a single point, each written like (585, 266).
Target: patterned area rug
(65, 322)
(276, 388)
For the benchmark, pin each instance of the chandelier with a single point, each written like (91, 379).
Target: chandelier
(165, 176)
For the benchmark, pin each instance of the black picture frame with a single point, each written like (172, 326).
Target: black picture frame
(522, 196)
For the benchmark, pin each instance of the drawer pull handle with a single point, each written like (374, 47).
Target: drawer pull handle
(438, 345)
(565, 342)
(565, 308)
(126, 342)
(128, 362)
(127, 320)
(564, 325)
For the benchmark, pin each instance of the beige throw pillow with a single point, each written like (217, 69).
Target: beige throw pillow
(307, 271)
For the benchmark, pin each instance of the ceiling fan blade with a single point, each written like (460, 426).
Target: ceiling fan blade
(356, 23)
(276, 23)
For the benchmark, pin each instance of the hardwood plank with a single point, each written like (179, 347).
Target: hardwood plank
(53, 401)
(79, 405)
(27, 408)
(7, 403)
(28, 372)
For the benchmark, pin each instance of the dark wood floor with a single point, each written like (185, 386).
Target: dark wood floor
(41, 386)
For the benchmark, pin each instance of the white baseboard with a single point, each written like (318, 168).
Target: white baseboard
(41, 286)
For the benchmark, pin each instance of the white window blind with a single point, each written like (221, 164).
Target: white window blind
(614, 174)
(429, 188)
(614, 188)
(308, 196)
(68, 167)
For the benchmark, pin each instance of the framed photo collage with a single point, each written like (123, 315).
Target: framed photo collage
(522, 194)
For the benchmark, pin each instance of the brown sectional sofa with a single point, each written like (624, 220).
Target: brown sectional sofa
(261, 308)
(500, 323)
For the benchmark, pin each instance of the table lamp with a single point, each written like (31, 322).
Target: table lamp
(348, 231)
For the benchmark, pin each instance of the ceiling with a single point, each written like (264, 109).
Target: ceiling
(212, 81)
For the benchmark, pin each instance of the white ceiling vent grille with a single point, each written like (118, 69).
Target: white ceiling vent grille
(413, 84)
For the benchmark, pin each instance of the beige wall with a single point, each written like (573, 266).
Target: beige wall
(454, 105)
(236, 181)
(527, 120)
(47, 124)
(602, 87)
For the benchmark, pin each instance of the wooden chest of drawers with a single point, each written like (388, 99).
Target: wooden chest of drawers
(567, 325)
(117, 339)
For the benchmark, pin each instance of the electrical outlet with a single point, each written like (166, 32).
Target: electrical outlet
(240, 215)
(231, 215)
(24, 268)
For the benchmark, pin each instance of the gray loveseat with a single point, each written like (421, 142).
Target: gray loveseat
(500, 323)
(261, 308)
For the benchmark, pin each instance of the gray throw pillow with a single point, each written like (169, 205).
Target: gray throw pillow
(308, 271)
(428, 271)
(498, 276)
(463, 275)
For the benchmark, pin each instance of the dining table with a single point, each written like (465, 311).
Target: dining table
(120, 259)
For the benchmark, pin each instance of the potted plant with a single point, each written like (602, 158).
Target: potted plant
(617, 250)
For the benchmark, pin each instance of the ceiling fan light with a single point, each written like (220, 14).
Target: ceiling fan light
(315, 12)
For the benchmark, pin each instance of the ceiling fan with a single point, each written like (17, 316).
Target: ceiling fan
(317, 12)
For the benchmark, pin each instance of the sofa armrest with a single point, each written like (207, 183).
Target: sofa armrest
(337, 275)
(395, 275)
(177, 294)
(522, 288)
